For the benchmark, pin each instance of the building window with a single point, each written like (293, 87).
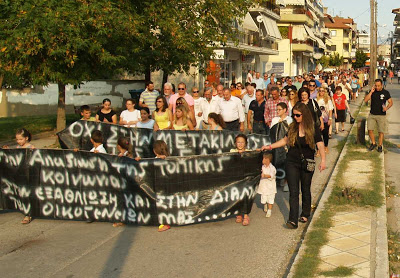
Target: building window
(333, 33)
(333, 47)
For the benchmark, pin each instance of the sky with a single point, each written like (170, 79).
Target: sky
(359, 10)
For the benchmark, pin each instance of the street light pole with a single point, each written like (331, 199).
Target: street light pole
(373, 55)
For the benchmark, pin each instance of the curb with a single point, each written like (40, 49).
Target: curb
(381, 242)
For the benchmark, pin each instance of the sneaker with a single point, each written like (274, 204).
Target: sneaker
(265, 207)
(269, 212)
(372, 147)
(286, 188)
(380, 149)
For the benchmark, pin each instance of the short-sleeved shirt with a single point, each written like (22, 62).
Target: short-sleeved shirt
(340, 101)
(130, 116)
(149, 124)
(107, 116)
(258, 110)
(189, 99)
(294, 153)
(379, 98)
(149, 98)
(289, 88)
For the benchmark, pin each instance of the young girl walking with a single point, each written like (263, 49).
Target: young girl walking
(267, 186)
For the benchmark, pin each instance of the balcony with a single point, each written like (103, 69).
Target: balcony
(297, 15)
(302, 47)
(269, 9)
(346, 40)
(346, 54)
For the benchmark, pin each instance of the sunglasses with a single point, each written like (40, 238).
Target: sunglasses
(181, 89)
(297, 115)
(278, 83)
(195, 92)
(291, 94)
(311, 85)
(159, 101)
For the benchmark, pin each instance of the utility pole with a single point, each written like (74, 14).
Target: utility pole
(373, 42)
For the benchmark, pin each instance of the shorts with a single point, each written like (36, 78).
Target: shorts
(268, 199)
(377, 122)
(354, 90)
(341, 116)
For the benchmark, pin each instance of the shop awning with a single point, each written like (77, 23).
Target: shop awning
(321, 43)
(271, 27)
(249, 23)
(310, 33)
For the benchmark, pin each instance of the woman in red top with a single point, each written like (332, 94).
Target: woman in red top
(340, 104)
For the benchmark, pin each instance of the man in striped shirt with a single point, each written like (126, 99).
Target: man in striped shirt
(148, 97)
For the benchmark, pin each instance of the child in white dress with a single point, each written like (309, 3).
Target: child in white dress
(267, 186)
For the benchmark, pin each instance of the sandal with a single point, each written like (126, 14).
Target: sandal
(163, 228)
(246, 220)
(26, 220)
(118, 224)
(303, 219)
(291, 225)
(239, 219)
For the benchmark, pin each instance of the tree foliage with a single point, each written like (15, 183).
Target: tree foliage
(361, 58)
(68, 42)
(335, 60)
(324, 61)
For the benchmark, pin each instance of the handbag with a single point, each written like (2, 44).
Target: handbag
(307, 164)
(352, 120)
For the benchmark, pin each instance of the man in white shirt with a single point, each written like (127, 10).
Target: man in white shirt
(219, 92)
(247, 99)
(259, 82)
(231, 110)
(346, 89)
(207, 106)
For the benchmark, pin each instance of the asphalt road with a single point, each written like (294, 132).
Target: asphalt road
(49, 248)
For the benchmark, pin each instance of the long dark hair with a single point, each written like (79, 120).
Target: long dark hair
(308, 125)
(24, 133)
(165, 104)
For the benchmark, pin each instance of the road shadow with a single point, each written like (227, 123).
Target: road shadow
(117, 258)
(281, 201)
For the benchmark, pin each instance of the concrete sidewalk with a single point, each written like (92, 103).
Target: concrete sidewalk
(357, 238)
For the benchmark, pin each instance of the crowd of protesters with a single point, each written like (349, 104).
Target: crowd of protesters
(307, 106)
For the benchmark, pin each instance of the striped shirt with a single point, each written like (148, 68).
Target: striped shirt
(149, 98)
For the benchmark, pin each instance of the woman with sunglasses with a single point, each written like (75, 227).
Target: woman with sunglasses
(284, 93)
(304, 95)
(190, 114)
(301, 139)
(197, 102)
(162, 115)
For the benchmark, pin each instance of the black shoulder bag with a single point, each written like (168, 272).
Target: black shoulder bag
(307, 164)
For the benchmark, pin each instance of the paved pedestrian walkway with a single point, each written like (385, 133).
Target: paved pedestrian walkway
(355, 236)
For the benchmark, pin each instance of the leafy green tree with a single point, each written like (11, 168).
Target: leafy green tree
(335, 60)
(65, 42)
(324, 61)
(361, 58)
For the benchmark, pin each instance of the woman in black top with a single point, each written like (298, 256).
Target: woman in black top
(304, 97)
(301, 139)
(106, 114)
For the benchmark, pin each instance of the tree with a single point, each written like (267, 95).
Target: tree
(324, 61)
(335, 60)
(361, 58)
(180, 34)
(65, 42)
